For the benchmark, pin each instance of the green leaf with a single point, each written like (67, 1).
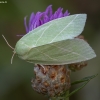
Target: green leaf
(85, 80)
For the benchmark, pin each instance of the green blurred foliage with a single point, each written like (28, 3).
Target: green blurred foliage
(15, 79)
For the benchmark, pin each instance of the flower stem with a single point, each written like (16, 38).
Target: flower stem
(60, 98)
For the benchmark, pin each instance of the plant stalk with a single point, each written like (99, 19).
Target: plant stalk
(61, 98)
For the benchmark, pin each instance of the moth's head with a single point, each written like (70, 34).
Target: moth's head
(20, 49)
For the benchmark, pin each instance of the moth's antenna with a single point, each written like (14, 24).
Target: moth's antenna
(7, 42)
(12, 57)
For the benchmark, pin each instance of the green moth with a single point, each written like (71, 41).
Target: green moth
(54, 42)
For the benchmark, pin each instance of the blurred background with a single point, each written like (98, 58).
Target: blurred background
(15, 79)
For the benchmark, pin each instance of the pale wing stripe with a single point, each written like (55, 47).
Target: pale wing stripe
(69, 51)
(46, 55)
(63, 30)
(42, 34)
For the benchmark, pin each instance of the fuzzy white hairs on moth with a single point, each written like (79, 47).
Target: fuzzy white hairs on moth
(10, 47)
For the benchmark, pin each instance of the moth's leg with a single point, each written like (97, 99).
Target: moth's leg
(44, 69)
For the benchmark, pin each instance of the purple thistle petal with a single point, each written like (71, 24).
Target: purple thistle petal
(34, 25)
(52, 17)
(35, 21)
(66, 13)
(41, 22)
(31, 19)
(59, 12)
(55, 15)
(43, 17)
(46, 19)
(49, 11)
(60, 15)
(26, 25)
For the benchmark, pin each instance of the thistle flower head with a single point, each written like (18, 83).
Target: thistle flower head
(51, 80)
(43, 17)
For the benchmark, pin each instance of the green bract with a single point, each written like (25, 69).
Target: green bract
(55, 42)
